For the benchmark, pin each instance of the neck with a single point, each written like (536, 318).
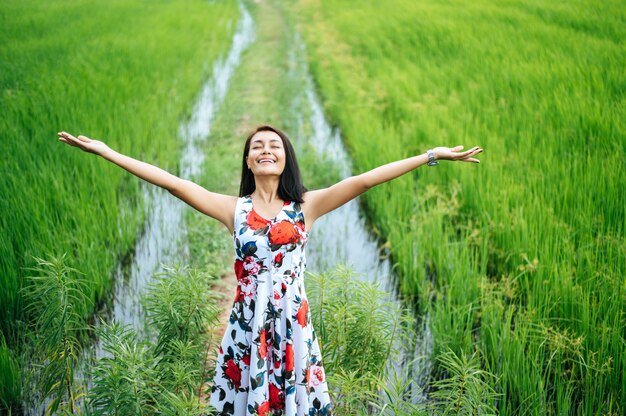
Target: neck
(266, 189)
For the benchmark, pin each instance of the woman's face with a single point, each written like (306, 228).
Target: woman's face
(266, 155)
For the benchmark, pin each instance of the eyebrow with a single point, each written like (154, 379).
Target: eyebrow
(259, 140)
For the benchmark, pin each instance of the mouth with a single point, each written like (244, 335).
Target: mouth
(268, 161)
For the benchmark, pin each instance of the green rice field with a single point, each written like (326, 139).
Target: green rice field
(123, 71)
(521, 258)
(518, 262)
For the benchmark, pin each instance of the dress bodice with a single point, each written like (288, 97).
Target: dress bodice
(274, 245)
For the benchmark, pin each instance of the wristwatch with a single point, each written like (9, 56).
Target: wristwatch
(431, 158)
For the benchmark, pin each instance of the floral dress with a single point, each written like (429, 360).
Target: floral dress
(269, 361)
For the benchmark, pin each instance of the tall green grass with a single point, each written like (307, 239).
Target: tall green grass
(166, 375)
(521, 257)
(121, 71)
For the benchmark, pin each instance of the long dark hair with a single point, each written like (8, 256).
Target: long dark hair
(290, 187)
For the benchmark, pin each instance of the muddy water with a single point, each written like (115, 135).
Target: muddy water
(164, 238)
(342, 236)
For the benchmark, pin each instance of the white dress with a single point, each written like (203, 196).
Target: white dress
(269, 362)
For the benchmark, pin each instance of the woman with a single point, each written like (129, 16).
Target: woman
(269, 360)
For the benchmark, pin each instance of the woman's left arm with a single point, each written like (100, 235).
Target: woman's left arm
(322, 201)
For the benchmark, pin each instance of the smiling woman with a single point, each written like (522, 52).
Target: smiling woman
(269, 358)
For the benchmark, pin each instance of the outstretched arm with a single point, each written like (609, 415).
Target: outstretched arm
(322, 201)
(215, 205)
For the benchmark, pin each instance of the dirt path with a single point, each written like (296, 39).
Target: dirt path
(227, 287)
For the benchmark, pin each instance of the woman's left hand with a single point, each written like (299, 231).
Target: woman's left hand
(453, 153)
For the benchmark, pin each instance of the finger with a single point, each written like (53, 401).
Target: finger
(70, 137)
(84, 139)
(467, 152)
(457, 148)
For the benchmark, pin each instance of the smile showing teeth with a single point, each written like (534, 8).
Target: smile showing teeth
(266, 161)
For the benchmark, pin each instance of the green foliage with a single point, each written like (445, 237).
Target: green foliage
(120, 71)
(354, 324)
(467, 390)
(164, 375)
(56, 295)
(10, 391)
(394, 396)
(358, 332)
(126, 382)
(525, 252)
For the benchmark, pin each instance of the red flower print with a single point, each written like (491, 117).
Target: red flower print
(264, 408)
(262, 344)
(288, 357)
(286, 203)
(278, 259)
(233, 372)
(301, 226)
(275, 397)
(250, 265)
(276, 295)
(283, 232)
(301, 315)
(317, 375)
(246, 359)
(239, 296)
(255, 221)
(239, 269)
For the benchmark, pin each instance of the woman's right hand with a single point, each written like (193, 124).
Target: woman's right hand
(84, 143)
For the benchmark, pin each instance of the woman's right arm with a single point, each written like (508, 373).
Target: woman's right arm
(215, 205)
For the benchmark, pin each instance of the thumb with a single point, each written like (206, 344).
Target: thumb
(459, 147)
(84, 139)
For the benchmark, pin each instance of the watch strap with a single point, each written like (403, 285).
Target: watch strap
(432, 161)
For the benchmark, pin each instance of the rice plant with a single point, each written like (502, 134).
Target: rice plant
(521, 255)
